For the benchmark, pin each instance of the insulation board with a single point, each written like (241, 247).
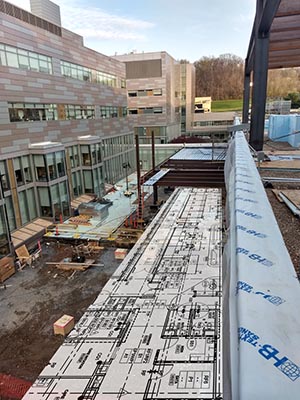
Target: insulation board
(154, 332)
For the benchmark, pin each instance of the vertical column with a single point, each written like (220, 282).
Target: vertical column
(246, 95)
(260, 77)
(155, 194)
(14, 192)
(69, 174)
(138, 173)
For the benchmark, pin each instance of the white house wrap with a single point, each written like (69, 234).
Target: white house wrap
(262, 292)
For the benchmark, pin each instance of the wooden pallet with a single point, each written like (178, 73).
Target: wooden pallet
(74, 266)
(7, 268)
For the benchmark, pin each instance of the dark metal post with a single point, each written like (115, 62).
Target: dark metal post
(265, 13)
(246, 95)
(10, 244)
(126, 165)
(138, 173)
(153, 150)
(155, 193)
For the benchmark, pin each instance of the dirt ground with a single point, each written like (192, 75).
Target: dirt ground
(35, 298)
(288, 223)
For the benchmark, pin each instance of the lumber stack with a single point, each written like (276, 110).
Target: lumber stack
(7, 268)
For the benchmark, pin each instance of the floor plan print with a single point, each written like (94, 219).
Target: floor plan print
(154, 332)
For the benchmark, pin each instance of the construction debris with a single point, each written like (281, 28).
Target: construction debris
(68, 265)
(63, 325)
(23, 255)
(120, 254)
(291, 198)
(127, 237)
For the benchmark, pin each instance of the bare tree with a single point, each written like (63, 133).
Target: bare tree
(220, 77)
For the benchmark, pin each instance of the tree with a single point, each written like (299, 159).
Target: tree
(295, 97)
(281, 82)
(220, 77)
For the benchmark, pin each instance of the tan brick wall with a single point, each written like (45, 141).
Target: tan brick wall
(24, 86)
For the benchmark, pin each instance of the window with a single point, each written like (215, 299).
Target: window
(87, 74)
(14, 57)
(85, 155)
(146, 110)
(79, 111)
(109, 112)
(32, 112)
(40, 168)
(10, 213)
(22, 168)
(23, 207)
(74, 158)
(59, 160)
(124, 111)
(76, 183)
(88, 181)
(157, 92)
(144, 92)
(4, 175)
(45, 203)
(132, 94)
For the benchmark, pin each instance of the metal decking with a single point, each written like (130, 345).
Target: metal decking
(201, 153)
(155, 330)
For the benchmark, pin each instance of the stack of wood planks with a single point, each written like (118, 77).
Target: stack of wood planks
(66, 265)
(291, 198)
(7, 268)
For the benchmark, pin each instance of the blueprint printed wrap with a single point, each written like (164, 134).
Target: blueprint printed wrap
(262, 292)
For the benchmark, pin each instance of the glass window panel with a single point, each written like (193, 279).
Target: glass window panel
(10, 213)
(23, 207)
(11, 49)
(31, 204)
(88, 181)
(43, 66)
(2, 57)
(44, 196)
(23, 62)
(12, 60)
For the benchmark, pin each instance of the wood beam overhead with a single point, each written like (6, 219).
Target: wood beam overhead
(284, 64)
(284, 45)
(288, 7)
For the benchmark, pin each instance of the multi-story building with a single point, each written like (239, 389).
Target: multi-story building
(160, 95)
(63, 118)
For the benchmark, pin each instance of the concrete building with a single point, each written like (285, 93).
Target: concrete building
(202, 104)
(63, 118)
(212, 124)
(160, 95)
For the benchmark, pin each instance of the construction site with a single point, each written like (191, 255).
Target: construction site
(174, 282)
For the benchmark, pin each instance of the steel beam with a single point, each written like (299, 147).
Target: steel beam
(138, 172)
(268, 12)
(260, 76)
(155, 192)
(246, 98)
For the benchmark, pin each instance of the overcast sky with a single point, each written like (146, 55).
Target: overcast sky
(186, 29)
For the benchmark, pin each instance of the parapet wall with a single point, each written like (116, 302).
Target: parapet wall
(261, 290)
